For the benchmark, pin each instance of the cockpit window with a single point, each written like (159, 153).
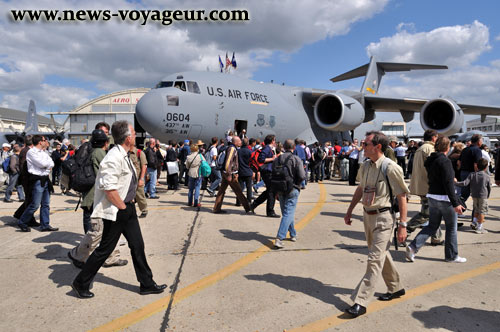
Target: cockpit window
(193, 87)
(173, 100)
(180, 85)
(164, 84)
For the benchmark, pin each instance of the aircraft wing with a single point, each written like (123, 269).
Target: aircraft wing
(386, 104)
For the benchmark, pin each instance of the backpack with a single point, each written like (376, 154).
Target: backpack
(205, 168)
(207, 156)
(6, 165)
(221, 158)
(281, 177)
(319, 153)
(80, 170)
(254, 161)
(394, 201)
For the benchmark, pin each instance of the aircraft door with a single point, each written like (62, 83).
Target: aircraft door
(239, 125)
(195, 131)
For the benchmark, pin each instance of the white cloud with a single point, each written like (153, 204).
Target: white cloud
(497, 38)
(48, 98)
(115, 55)
(458, 45)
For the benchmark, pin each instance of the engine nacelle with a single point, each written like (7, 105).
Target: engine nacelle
(334, 111)
(442, 115)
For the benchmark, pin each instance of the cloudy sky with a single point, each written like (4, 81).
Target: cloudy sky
(62, 65)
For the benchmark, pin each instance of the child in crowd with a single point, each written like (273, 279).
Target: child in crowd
(480, 189)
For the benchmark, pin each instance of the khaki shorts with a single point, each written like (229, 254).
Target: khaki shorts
(480, 205)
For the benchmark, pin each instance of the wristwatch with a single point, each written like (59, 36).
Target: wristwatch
(403, 224)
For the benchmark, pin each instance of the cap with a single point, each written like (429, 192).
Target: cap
(98, 136)
(6, 145)
(393, 139)
(186, 141)
(200, 142)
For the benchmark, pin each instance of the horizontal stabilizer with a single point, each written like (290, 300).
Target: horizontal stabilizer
(386, 67)
(374, 71)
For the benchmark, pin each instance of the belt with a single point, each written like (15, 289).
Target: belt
(377, 211)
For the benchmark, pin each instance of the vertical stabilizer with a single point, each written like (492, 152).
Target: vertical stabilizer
(31, 119)
(373, 76)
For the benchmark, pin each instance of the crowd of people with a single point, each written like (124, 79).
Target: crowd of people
(442, 174)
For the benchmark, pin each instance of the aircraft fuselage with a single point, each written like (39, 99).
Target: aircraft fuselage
(201, 105)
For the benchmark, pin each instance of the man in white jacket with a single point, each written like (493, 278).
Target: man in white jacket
(115, 187)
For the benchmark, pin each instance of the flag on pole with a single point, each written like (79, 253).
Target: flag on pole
(228, 62)
(221, 65)
(233, 62)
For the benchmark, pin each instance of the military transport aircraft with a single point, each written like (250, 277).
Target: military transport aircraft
(200, 105)
(31, 128)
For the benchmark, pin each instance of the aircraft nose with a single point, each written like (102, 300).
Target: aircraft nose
(148, 110)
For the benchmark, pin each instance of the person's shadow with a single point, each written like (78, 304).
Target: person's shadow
(311, 287)
(247, 236)
(63, 271)
(459, 319)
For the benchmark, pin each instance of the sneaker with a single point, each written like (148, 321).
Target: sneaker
(278, 244)
(120, 262)
(473, 225)
(480, 229)
(293, 239)
(457, 259)
(410, 254)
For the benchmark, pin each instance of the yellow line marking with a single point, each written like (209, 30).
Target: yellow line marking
(161, 304)
(336, 320)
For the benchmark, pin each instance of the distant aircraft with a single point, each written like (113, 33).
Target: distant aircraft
(31, 128)
(468, 135)
(200, 105)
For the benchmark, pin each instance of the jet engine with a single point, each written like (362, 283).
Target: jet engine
(442, 115)
(335, 111)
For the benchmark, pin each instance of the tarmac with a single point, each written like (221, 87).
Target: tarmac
(224, 275)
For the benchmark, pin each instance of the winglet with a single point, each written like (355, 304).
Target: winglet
(375, 70)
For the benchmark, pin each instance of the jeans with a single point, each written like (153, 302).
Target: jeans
(328, 168)
(40, 196)
(245, 183)
(56, 174)
(288, 204)
(194, 186)
(440, 210)
(216, 179)
(12, 183)
(260, 184)
(87, 224)
(267, 196)
(150, 187)
(344, 169)
(464, 191)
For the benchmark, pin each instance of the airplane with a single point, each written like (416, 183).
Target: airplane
(201, 105)
(31, 128)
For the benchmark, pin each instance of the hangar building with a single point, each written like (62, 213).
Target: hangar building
(111, 107)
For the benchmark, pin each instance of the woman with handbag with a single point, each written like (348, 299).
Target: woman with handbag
(172, 166)
(193, 163)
